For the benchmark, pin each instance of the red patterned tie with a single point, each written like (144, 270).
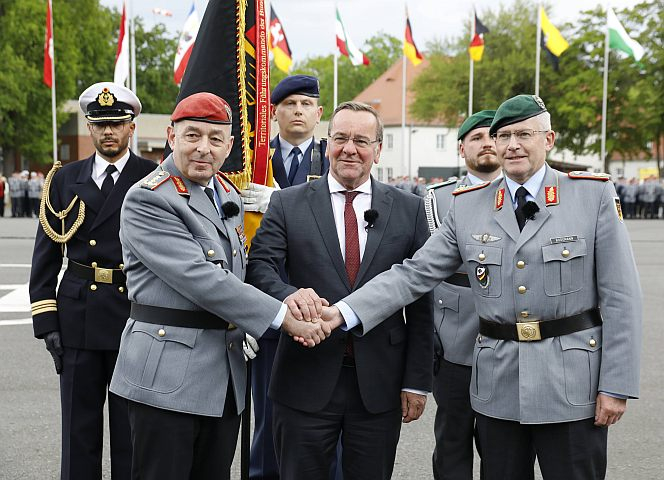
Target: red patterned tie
(352, 240)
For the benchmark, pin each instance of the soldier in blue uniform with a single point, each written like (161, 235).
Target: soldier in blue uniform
(297, 157)
(455, 319)
(82, 319)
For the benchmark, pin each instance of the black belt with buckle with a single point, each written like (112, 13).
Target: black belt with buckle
(113, 276)
(458, 279)
(174, 317)
(532, 331)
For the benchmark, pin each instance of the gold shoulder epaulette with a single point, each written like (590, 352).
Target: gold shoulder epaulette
(470, 188)
(223, 179)
(155, 179)
(602, 177)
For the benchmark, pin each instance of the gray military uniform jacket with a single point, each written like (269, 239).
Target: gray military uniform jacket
(455, 319)
(179, 253)
(576, 256)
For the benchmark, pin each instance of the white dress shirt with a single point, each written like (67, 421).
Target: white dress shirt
(100, 165)
(286, 151)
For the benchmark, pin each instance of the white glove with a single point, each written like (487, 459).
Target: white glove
(257, 197)
(249, 347)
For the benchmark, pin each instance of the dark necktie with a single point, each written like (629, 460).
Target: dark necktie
(295, 154)
(108, 183)
(210, 194)
(352, 238)
(521, 193)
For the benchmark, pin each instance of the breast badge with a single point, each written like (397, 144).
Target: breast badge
(482, 275)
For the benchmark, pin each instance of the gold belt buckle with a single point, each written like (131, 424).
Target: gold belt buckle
(528, 331)
(103, 275)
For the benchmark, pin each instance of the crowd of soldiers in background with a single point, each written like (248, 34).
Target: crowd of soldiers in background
(22, 191)
(641, 198)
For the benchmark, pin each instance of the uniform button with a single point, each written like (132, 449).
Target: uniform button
(440, 302)
(93, 243)
(234, 252)
(520, 264)
(93, 287)
(524, 314)
(592, 342)
(522, 289)
(565, 253)
(93, 264)
(210, 253)
(230, 346)
(161, 332)
(482, 257)
(479, 339)
(121, 266)
(121, 289)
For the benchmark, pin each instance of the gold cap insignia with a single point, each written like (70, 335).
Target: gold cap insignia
(106, 98)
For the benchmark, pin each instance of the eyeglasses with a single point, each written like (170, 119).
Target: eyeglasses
(522, 136)
(359, 142)
(100, 127)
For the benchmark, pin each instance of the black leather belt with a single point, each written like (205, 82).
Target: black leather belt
(458, 279)
(178, 318)
(113, 276)
(538, 330)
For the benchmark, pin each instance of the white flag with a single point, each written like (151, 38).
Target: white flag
(186, 44)
(347, 47)
(122, 58)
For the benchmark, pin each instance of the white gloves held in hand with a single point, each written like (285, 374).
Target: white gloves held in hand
(249, 347)
(257, 197)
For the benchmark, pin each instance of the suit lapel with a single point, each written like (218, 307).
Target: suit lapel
(505, 216)
(86, 189)
(114, 201)
(278, 169)
(318, 196)
(381, 201)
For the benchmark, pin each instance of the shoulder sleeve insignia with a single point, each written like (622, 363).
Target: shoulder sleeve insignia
(155, 179)
(602, 177)
(179, 185)
(469, 188)
(225, 181)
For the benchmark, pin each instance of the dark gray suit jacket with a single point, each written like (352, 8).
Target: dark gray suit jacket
(299, 228)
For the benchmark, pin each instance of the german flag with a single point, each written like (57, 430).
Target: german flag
(283, 59)
(409, 48)
(476, 47)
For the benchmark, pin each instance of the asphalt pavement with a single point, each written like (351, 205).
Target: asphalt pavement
(29, 398)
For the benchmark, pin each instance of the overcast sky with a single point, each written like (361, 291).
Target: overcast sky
(309, 24)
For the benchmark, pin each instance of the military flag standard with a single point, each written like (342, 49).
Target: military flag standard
(48, 48)
(186, 44)
(122, 57)
(476, 47)
(552, 41)
(281, 52)
(619, 38)
(409, 48)
(347, 47)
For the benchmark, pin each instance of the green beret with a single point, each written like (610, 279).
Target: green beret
(476, 120)
(516, 109)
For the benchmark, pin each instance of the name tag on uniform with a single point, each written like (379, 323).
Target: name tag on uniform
(568, 238)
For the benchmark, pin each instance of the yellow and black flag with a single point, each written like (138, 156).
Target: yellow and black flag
(552, 41)
(409, 48)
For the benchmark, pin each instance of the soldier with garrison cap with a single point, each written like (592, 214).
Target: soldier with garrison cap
(81, 319)
(181, 363)
(455, 319)
(297, 157)
(558, 298)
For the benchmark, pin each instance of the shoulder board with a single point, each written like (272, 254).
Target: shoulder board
(179, 185)
(155, 179)
(602, 177)
(225, 181)
(470, 188)
(451, 181)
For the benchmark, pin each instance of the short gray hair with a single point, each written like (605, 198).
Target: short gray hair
(358, 107)
(544, 120)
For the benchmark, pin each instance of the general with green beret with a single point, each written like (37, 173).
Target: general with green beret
(557, 293)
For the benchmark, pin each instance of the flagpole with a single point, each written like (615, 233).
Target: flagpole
(403, 107)
(472, 65)
(605, 91)
(54, 124)
(538, 49)
(132, 68)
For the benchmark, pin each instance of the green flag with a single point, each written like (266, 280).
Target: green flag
(619, 39)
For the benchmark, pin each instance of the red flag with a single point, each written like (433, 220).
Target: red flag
(48, 48)
(186, 44)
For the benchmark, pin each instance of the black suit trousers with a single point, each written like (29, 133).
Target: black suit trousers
(306, 442)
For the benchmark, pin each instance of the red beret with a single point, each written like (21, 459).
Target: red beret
(203, 107)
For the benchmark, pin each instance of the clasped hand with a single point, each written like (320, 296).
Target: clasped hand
(310, 319)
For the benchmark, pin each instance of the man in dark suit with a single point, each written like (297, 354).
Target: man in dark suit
(333, 235)
(82, 324)
(297, 157)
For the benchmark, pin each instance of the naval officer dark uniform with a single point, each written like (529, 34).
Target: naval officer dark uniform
(82, 318)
